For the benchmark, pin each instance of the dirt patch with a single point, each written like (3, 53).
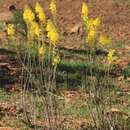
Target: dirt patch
(116, 18)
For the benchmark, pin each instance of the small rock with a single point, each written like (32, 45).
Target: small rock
(76, 29)
(128, 79)
(120, 78)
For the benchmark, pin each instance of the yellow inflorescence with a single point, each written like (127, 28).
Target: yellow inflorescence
(53, 8)
(10, 30)
(52, 32)
(111, 56)
(94, 22)
(90, 39)
(54, 36)
(35, 30)
(104, 39)
(90, 25)
(85, 12)
(56, 60)
(28, 15)
(42, 51)
(97, 22)
(40, 13)
(50, 25)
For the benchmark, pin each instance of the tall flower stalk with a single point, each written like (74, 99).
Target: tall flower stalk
(39, 59)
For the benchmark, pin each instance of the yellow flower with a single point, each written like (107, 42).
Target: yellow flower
(28, 15)
(84, 12)
(97, 22)
(104, 39)
(52, 32)
(90, 24)
(40, 13)
(91, 37)
(42, 51)
(53, 36)
(50, 25)
(53, 8)
(111, 56)
(34, 30)
(10, 30)
(94, 22)
(56, 60)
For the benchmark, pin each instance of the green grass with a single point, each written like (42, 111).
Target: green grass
(4, 96)
(127, 71)
(77, 111)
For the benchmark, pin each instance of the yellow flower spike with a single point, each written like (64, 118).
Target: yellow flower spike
(84, 12)
(40, 13)
(90, 24)
(42, 51)
(97, 22)
(56, 60)
(53, 8)
(104, 39)
(50, 25)
(35, 30)
(94, 22)
(10, 30)
(53, 36)
(28, 15)
(52, 32)
(111, 56)
(91, 36)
